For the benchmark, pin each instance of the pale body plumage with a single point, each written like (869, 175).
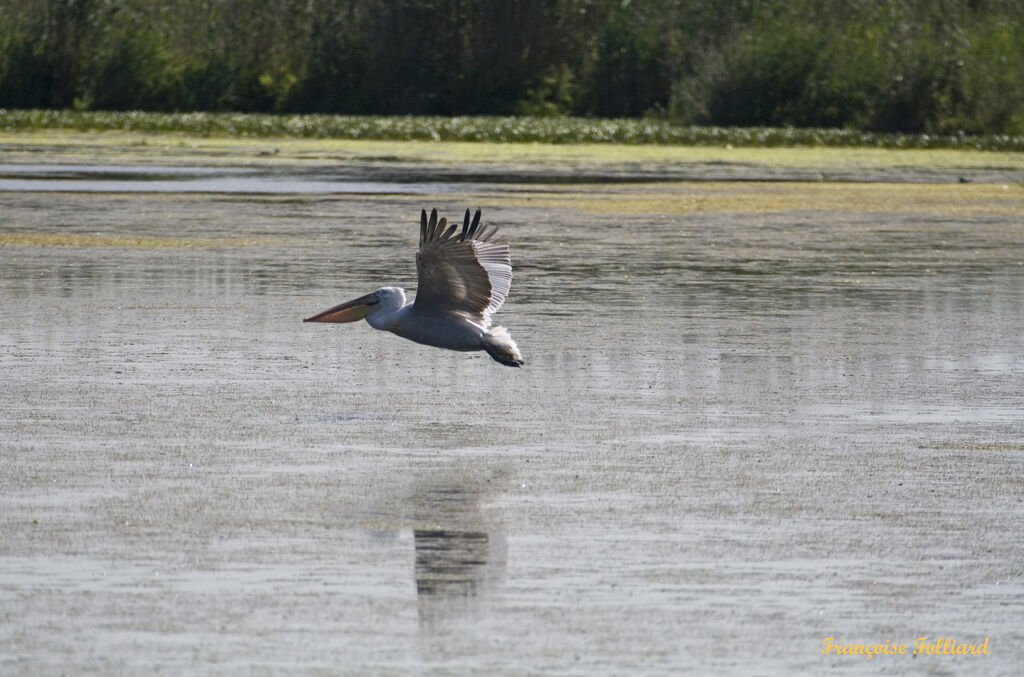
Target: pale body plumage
(442, 331)
(464, 278)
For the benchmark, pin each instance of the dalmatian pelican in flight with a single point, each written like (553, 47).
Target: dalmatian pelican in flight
(464, 277)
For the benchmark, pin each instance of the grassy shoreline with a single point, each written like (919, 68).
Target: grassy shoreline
(178, 148)
(545, 130)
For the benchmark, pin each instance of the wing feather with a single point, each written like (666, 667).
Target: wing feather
(470, 230)
(469, 273)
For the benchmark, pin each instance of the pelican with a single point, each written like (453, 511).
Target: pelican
(463, 280)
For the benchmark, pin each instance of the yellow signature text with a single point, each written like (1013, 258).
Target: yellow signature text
(922, 646)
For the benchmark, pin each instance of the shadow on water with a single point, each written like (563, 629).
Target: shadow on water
(171, 179)
(410, 177)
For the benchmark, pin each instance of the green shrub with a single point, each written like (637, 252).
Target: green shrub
(133, 71)
(873, 65)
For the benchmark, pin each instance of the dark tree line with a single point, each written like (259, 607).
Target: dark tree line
(884, 65)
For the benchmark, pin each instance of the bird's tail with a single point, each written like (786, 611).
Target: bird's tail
(499, 345)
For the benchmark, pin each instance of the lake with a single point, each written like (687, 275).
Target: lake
(757, 412)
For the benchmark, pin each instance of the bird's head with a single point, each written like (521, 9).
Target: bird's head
(385, 298)
(390, 298)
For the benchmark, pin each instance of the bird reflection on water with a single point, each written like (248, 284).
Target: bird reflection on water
(450, 563)
(457, 555)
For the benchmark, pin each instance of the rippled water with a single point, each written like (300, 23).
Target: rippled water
(738, 433)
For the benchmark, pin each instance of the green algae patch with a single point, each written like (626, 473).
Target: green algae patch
(988, 446)
(694, 196)
(124, 242)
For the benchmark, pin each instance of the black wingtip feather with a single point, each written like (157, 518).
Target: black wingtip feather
(435, 229)
(475, 226)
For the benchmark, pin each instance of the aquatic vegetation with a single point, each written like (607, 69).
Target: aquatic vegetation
(762, 197)
(526, 129)
(123, 241)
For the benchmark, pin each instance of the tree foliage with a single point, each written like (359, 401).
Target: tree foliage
(882, 65)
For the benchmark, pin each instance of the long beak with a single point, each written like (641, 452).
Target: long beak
(351, 311)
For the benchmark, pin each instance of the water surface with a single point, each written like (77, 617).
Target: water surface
(739, 432)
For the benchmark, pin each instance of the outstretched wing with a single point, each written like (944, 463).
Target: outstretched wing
(467, 272)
